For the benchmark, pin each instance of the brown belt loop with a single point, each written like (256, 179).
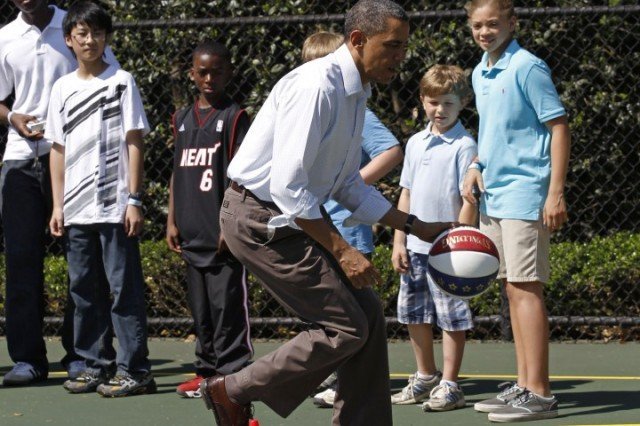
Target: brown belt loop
(240, 189)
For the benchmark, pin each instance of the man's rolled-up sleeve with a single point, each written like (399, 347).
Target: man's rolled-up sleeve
(367, 204)
(300, 123)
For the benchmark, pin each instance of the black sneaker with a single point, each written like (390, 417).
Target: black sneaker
(85, 383)
(525, 407)
(125, 385)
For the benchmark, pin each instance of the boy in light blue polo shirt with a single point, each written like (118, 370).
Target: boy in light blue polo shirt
(524, 145)
(435, 163)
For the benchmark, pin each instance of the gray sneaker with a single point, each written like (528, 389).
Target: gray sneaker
(23, 374)
(85, 383)
(125, 385)
(444, 397)
(417, 390)
(525, 407)
(510, 390)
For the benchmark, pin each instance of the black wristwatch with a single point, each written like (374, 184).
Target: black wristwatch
(136, 196)
(408, 225)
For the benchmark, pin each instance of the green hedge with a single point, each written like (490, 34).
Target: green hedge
(596, 278)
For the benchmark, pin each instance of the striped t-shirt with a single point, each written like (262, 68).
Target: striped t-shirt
(91, 118)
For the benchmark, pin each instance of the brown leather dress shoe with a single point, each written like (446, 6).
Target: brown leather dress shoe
(226, 412)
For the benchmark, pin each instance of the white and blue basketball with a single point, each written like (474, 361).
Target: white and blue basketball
(463, 261)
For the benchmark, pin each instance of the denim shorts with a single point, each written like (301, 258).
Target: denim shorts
(420, 301)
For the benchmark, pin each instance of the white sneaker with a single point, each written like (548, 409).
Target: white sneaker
(417, 390)
(325, 399)
(444, 397)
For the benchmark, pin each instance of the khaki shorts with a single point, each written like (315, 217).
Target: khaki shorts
(523, 246)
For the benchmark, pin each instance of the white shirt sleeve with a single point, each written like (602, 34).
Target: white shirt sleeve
(6, 80)
(53, 130)
(133, 116)
(303, 115)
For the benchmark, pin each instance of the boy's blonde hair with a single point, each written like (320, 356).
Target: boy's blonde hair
(446, 79)
(504, 6)
(320, 44)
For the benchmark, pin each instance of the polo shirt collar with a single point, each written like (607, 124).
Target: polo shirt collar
(350, 74)
(505, 58)
(450, 135)
(56, 21)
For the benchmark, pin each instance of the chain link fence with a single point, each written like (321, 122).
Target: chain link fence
(593, 49)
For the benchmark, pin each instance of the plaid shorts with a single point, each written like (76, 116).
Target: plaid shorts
(420, 301)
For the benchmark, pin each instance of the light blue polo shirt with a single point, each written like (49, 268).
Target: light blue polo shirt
(433, 171)
(514, 99)
(376, 139)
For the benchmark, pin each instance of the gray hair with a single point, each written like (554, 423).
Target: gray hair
(370, 16)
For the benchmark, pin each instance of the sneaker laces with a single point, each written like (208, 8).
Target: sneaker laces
(524, 397)
(508, 388)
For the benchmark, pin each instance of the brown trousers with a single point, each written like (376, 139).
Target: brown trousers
(349, 334)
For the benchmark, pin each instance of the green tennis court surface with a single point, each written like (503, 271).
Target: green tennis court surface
(596, 384)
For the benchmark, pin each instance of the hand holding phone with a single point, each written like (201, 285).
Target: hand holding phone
(36, 126)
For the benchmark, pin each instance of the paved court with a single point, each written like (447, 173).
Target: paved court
(596, 383)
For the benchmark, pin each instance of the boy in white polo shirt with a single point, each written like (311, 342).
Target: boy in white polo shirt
(435, 162)
(33, 56)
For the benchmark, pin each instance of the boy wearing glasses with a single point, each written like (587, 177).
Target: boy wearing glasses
(97, 122)
(33, 55)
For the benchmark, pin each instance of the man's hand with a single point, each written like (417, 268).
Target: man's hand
(133, 221)
(358, 268)
(56, 224)
(471, 179)
(19, 122)
(173, 238)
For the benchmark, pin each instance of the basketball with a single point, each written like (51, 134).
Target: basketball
(463, 261)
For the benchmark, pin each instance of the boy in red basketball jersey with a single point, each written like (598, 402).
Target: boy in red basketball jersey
(207, 135)
(436, 160)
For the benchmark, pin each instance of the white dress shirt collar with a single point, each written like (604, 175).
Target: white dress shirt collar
(350, 74)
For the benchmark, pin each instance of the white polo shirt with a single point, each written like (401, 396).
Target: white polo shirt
(433, 171)
(305, 144)
(31, 61)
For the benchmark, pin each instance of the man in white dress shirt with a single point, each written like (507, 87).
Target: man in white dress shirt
(303, 148)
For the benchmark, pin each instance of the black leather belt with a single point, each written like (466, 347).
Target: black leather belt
(244, 191)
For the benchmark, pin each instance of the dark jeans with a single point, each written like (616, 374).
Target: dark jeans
(218, 299)
(25, 205)
(96, 252)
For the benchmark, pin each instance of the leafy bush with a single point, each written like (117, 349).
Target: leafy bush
(595, 278)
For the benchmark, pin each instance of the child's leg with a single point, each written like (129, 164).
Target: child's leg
(227, 295)
(521, 365)
(121, 259)
(452, 351)
(90, 293)
(531, 334)
(205, 362)
(421, 336)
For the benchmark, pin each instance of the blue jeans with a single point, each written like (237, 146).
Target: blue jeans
(106, 285)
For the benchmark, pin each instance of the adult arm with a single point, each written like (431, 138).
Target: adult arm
(56, 166)
(133, 218)
(19, 122)
(554, 213)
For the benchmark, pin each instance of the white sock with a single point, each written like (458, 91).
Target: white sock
(423, 376)
(449, 382)
(544, 398)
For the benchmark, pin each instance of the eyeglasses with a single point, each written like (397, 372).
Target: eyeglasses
(83, 37)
